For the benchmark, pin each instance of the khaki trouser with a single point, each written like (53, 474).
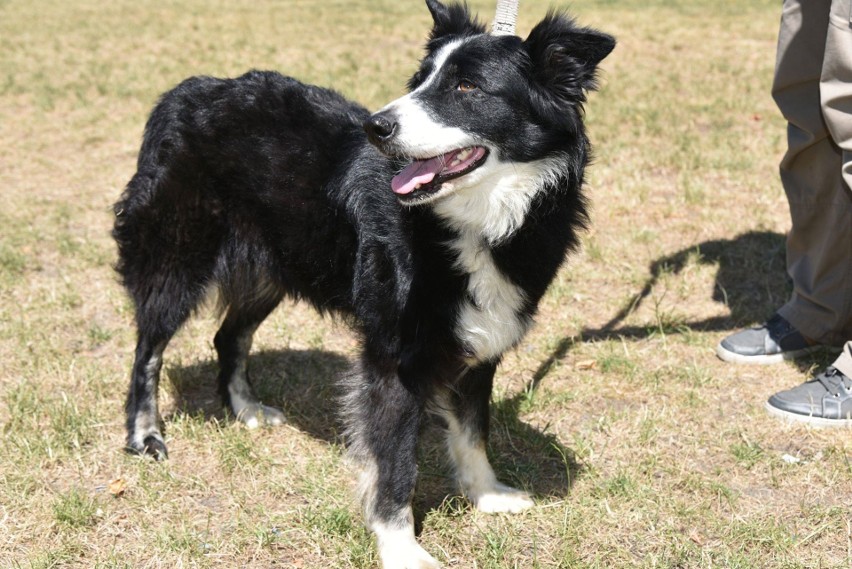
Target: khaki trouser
(844, 361)
(813, 89)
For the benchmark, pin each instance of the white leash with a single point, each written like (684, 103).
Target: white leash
(505, 18)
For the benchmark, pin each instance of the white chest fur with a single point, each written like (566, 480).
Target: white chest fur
(490, 319)
(489, 211)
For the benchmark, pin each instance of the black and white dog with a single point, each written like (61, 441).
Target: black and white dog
(436, 231)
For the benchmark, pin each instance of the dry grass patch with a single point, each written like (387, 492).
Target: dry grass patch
(642, 449)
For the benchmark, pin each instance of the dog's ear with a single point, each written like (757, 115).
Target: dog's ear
(454, 19)
(565, 57)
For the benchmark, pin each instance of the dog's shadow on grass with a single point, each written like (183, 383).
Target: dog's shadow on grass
(751, 280)
(304, 384)
(528, 457)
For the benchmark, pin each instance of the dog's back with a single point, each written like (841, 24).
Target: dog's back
(234, 174)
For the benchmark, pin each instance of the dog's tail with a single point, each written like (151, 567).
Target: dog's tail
(169, 227)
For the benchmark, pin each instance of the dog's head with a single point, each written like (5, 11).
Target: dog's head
(479, 101)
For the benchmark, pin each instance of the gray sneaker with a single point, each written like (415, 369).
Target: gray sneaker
(770, 343)
(824, 401)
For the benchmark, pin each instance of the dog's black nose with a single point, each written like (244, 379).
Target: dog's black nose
(380, 127)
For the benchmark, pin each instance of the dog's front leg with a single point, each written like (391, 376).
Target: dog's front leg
(467, 416)
(384, 417)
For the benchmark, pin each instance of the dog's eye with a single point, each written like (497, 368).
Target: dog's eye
(466, 86)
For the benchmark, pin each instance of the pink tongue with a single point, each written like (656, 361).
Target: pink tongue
(418, 172)
(422, 172)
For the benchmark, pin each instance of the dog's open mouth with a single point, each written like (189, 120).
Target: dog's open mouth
(426, 176)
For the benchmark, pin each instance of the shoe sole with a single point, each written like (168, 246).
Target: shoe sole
(810, 420)
(766, 359)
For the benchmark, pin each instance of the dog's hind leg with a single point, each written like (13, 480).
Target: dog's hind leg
(233, 343)
(466, 413)
(143, 418)
(168, 240)
(157, 319)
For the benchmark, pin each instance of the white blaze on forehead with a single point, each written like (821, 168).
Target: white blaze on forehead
(420, 135)
(440, 59)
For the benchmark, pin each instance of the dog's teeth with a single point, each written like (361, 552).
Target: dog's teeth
(464, 154)
(417, 187)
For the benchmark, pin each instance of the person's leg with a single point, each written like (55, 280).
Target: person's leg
(823, 401)
(819, 250)
(817, 172)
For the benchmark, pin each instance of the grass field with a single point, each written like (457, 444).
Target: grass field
(642, 449)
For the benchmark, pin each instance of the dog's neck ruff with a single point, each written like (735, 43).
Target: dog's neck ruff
(497, 205)
(491, 318)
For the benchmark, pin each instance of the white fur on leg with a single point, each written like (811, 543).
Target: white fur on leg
(249, 410)
(476, 477)
(245, 405)
(146, 420)
(500, 498)
(398, 549)
(254, 414)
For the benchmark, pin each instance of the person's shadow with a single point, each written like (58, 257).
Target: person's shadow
(751, 281)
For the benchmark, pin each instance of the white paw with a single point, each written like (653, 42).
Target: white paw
(257, 415)
(410, 557)
(399, 550)
(501, 498)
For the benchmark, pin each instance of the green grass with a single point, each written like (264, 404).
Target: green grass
(642, 449)
(75, 510)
